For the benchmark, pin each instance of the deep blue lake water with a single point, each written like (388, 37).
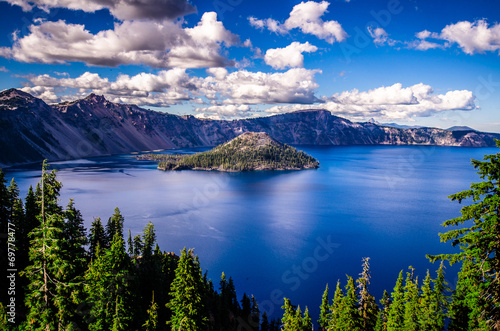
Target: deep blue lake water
(286, 233)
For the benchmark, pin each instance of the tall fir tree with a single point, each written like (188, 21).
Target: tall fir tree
(289, 315)
(349, 318)
(97, 238)
(108, 288)
(151, 323)
(48, 263)
(324, 311)
(186, 302)
(255, 314)
(395, 317)
(335, 308)
(115, 225)
(477, 235)
(368, 308)
(264, 325)
(149, 240)
(306, 321)
(411, 304)
(384, 314)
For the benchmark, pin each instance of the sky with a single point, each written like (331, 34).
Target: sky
(413, 62)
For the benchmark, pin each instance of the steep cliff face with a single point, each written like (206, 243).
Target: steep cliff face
(31, 130)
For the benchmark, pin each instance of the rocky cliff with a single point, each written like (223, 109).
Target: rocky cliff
(31, 130)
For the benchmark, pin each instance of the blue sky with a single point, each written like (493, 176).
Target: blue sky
(432, 63)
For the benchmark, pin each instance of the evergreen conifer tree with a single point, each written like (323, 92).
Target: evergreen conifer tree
(368, 308)
(97, 238)
(264, 325)
(289, 315)
(479, 240)
(108, 288)
(349, 317)
(324, 311)
(336, 308)
(411, 304)
(395, 318)
(307, 322)
(186, 302)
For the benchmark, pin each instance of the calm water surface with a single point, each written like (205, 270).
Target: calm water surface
(285, 233)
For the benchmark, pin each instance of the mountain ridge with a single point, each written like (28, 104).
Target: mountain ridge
(31, 130)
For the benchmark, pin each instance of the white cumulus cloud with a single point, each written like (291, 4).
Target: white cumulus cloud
(306, 17)
(288, 57)
(471, 37)
(390, 103)
(175, 86)
(157, 44)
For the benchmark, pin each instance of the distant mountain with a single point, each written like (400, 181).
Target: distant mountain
(31, 130)
(394, 125)
(248, 152)
(460, 128)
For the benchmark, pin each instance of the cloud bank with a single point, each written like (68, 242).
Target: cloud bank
(167, 44)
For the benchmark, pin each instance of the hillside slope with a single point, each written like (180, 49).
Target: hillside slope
(31, 130)
(248, 152)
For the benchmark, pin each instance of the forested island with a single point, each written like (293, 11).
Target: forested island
(56, 276)
(250, 151)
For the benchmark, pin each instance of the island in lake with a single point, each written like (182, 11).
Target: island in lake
(248, 152)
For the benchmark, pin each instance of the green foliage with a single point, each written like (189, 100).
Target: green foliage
(368, 308)
(411, 306)
(108, 288)
(395, 318)
(97, 238)
(151, 323)
(149, 239)
(186, 302)
(324, 310)
(477, 237)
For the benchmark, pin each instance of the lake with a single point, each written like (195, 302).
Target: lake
(285, 233)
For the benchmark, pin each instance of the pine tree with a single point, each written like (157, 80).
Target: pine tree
(264, 325)
(349, 318)
(382, 319)
(426, 307)
(151, 323)
(368, 308)
(108, 282)
(48, 268)
(307, 322)
(149, 239)
(324, 311)
(440, 303)
(289, 315)
(395, 318)
(297, 322)
(411, 306)
(115, 225)
(335, 308)
(255, 314)
(465, 312)
(130, 244)
(97, 238)
(186, 303)
(479, 242)
(138, 245)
